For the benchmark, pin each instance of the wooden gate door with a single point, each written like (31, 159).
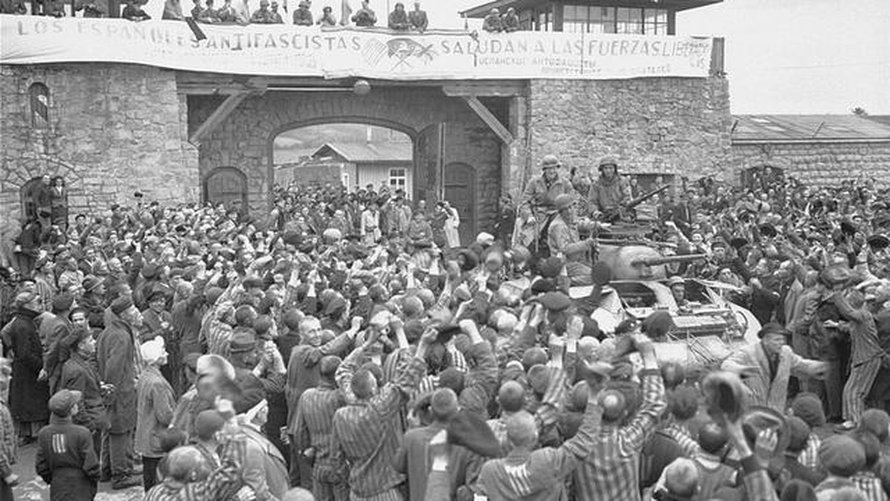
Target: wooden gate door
(460, 191)
(228, 186)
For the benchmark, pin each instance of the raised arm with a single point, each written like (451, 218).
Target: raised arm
(654, 403)
(483, 375)
(859, 316)
(581, 445)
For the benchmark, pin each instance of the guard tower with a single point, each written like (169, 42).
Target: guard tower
(629, 17)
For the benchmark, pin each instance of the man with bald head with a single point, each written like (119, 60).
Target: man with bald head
(303, 373)
(611, 470)
(367, 431)
(511, 398)
(190, 477)
(527, 473)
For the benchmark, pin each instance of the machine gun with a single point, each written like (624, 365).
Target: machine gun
(614, 214)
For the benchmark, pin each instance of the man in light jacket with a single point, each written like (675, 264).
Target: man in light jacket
(766, 366)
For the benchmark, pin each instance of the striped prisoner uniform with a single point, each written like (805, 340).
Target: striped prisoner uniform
(367, 433)
(611, 471)
(315, 415)
(865, 357)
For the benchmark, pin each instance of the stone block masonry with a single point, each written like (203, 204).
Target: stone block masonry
(113, 129)
(818, 163)
(674, 126)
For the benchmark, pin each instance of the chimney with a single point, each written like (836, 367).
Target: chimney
(369, 134)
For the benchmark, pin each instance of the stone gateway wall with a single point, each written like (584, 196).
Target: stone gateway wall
(817, 163)
(113, 130)
(244, 139)
(653, 125)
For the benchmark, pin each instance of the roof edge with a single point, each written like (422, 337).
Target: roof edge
(845, 140)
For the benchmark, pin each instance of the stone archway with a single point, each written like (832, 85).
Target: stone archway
(346, 119)
(17, 175)
(245, 138)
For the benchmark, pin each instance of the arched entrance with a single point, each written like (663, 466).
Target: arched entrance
(227, 186)
(443, 130)
(30, 194)
(52, 198)
(460, 191)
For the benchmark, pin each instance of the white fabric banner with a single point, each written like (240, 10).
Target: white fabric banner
(286, 50)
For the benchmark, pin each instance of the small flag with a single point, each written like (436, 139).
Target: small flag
(199, 34)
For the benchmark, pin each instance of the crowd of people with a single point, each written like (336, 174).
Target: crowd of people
(238, 12)
(348, 345)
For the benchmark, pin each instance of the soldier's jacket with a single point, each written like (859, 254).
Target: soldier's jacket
(605, 194)
(539, 194)
(560, 235)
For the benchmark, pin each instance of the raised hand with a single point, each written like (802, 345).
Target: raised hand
(575, 327)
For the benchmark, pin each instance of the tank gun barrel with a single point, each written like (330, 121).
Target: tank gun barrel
(684, 258)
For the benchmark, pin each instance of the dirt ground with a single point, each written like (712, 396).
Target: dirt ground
(32, 488)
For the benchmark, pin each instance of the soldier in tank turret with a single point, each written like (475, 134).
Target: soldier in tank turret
(610, 191)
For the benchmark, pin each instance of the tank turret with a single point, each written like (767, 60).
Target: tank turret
(639, 262)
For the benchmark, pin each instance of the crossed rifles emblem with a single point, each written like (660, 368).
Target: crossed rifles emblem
(403, 50)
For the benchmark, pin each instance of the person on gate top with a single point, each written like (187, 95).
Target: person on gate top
(398, 18)
(418, 18)
(303, 16)
(492, 22)
(541, 191)
(365, 16)
(510, 21)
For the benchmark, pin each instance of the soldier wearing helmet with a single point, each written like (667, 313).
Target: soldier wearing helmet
(541, 191)
(610, 190)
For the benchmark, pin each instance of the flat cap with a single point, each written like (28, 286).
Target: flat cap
(61, 403)
(242, 340)
(121, 304)
(842, 455)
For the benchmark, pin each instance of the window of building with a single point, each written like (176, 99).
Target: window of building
(544, 19)
(656, 22)
(398, 178)
(629, 21)
(525, 20)
(602, 20)
(595, 19)
(39, 105)
(575, 18)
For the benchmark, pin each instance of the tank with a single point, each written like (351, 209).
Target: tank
(639, 262)
(708, 326)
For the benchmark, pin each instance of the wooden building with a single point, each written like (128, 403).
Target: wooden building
(356, 165)
(630, 17)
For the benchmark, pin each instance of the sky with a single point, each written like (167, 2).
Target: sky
(782, 56)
